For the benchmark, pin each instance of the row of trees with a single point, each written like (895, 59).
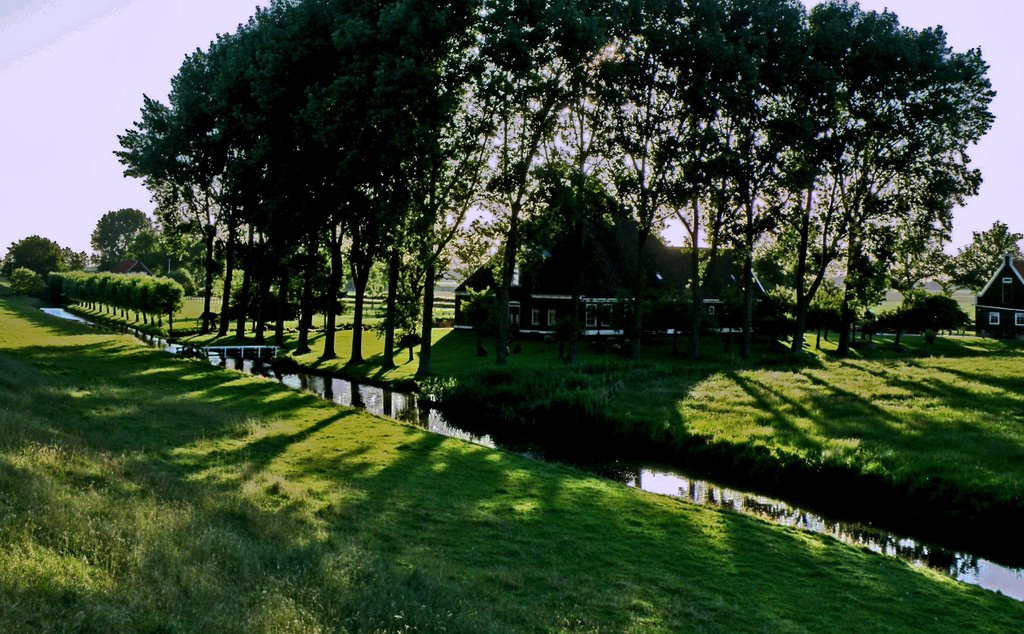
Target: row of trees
(41, 256)
(146, 296)
(119, 235)
(328, 135)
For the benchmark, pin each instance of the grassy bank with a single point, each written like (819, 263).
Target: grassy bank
(927, 440)
(147, 493)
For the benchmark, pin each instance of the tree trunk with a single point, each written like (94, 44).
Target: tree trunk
(697, 287)
(229, 270)
(636, 318)
(508, 266)
(845, 323)
(282, 305)
(389, 320)
(748, 284)
(209, 238)
(243, 300)
(263, 289)
(306, 302)
(574, 331)
(360, 276)
(333, 290)
(427, 326)
(800, 321)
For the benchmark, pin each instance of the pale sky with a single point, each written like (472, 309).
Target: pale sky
(73, 72)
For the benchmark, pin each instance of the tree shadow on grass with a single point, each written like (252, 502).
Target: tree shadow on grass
(439, 533)
(781, 408)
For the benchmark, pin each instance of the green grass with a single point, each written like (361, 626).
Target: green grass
(965, 298)
(144, 493)
(952, 408)
(187, 318)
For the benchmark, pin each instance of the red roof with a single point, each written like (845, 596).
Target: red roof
(131, 266)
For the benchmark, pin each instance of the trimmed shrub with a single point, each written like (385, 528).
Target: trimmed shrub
(25, 281)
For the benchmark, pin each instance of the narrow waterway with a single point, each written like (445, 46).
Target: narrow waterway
(409, 408)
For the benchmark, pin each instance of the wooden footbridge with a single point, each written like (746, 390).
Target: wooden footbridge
(243, 351)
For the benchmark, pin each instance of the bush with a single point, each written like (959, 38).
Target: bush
(183, 277)
(25, 281)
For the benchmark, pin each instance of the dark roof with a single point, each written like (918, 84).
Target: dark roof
(131, 266)
(609, 267)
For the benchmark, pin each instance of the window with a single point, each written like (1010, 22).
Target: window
(515, 276)
(993, 319)
(535, 316)
(591, 316)
(1018, 319)
(551, 316)
(711, 309)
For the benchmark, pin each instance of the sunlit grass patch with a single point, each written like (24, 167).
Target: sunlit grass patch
(191, 499)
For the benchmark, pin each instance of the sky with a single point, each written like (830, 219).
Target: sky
(73, 72)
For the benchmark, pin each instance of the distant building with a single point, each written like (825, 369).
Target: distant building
(131, 267)
(541, 293)
(999, 310)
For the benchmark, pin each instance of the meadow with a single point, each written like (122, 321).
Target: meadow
(146, 493)
(927, 440)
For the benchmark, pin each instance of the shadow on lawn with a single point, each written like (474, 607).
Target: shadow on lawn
(431, 532)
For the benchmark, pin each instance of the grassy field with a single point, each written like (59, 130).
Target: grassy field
(939, 423)
(964, 298)
(188, 318)
(145, 493)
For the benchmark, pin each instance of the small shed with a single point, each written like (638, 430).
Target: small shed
(999, 309)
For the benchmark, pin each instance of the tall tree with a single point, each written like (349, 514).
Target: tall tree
(427, 88)
(766, 52)
(644, 88)
(119, 236)
(177, 151)
(910, 108)
(36, 253)
(697, 177)
(522, 88)
(974, 264)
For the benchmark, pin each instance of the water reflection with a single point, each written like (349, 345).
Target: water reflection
(406, 407)
(377, 400)
(962, 566)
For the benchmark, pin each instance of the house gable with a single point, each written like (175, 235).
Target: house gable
(131, 267)
(543, 298)
(999, 307)
(1008, 268)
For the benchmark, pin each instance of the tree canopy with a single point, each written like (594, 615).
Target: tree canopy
(35, 253)
(326, 136)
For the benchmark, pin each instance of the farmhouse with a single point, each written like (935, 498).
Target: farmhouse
(131, 267)
(542, 287)
(999, 310)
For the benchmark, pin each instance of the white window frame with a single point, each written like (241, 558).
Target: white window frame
(591, 315)
(534, 316)
(711, 309)
(993, 319)
(1018, 319)
(552, 316)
